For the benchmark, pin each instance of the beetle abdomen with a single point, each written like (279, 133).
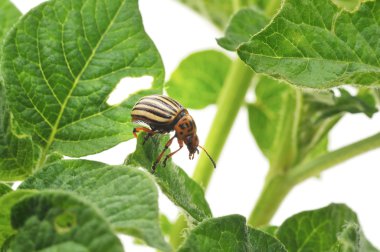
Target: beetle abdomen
(156, 110)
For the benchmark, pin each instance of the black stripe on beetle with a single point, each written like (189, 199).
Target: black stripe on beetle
(163, 115)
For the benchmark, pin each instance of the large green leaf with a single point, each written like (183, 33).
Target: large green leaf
(173, 181)
(57, 221)
(7, 202)
(125, 196)
(60, 64)
(313, 43)
(229, 233)
(245, 23)
(200, 75)
(333, 228)
(17, 154)
(262, 241)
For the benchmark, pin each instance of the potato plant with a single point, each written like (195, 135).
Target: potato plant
(308, 63)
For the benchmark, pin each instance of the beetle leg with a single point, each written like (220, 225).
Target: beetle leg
(174, 152)
(136, 130)
(162, 153)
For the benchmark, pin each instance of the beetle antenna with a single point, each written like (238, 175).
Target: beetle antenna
(212, 160)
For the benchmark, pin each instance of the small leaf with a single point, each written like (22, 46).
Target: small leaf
(333, 228)
(49, 221)
(4, 189)
(125, 196)
(217, 11)
(200, 75)
(7, 201)
(292, 125)
(245, 23)
(273, 121)
(173, 181)
(313, 43)
(61, 62)
(229, 233)
(9, 15)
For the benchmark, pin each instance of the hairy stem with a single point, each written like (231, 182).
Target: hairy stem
(229, 101)
(314, 167)
(271, 197)
(277, 187)
(231, 97)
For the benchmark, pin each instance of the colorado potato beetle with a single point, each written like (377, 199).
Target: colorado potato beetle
(163, 114)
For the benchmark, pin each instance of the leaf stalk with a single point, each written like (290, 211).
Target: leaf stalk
(277, 187)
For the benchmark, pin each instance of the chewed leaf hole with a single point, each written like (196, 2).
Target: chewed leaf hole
(64, 222)
(127, 86)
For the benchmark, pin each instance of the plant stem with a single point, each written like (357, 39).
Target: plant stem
(314, 167)
(175, 237)
(277, 187)
(274, 192)
(230, 99)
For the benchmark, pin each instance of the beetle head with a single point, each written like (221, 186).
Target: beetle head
(192, 143)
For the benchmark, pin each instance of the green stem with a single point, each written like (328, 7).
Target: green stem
(230, 98)
(175, 236)
(277, 187)
(274, 192)
(314, 167)
(229, 101)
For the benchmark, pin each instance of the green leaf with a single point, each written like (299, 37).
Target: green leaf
(274, 119)
(332, 228)
(9, 15)
(292, 125)
(173, 181)
(200, 75)
(4, 189)
(350, 5)
(50, 221)
(61, 62)
(125, 196)
(7, 201)
(217, 11)
(245, 23)
(229, 233)
(18, 154)
(313, 43)
(265, 242)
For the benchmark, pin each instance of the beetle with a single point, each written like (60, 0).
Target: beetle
(163, 114)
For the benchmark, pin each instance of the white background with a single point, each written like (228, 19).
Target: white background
(241, 169)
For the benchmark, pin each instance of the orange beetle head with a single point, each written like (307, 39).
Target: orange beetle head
(192, 143)
(186, 131)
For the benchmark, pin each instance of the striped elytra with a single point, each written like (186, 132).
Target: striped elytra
(158, 111)
(163, 114)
